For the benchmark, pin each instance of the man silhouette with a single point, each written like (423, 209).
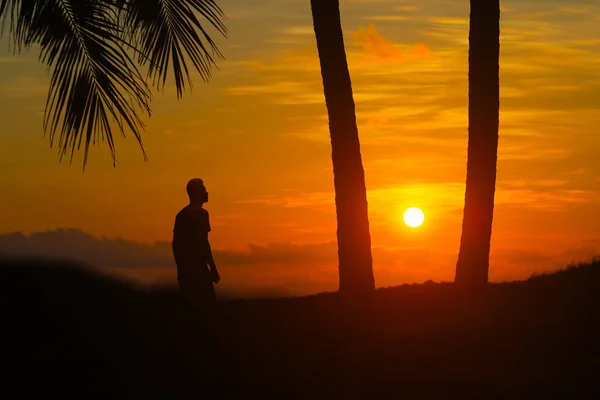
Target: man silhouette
(196, 269)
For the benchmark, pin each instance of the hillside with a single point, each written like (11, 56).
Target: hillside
(73, 333)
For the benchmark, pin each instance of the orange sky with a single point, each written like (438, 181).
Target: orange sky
(257, 134)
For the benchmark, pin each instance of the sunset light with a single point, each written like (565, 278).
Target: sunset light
(264, 232)
(257, 132)
(414, 217)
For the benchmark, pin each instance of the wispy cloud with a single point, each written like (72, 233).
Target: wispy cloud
(298, 31)
(387, 18)
(301, 199)
(25, 87)
(12, 60)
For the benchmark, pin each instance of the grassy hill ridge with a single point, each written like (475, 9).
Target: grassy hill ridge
(74, 333)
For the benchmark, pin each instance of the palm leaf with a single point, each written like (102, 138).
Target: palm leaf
(95, 86)
(168, 31)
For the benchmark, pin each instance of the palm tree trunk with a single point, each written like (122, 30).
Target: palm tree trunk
(354, 240)
(484, 107)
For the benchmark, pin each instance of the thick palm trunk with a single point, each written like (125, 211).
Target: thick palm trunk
(484, 105)
(354, 241)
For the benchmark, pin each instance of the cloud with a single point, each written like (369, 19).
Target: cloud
(304, 199)
(293, 35)
(387, 18)
(83, 247)
(440, 197)
(514, 264)
(25, 87)
(272, 269)
(540, 198)
(377, 48)
(104, 252)
(306, 30)
(277, 268)
(281, 254)
(278, 87)
(285, 268)
(407, 9)
(421, 51)
(292, 76)
(11, 60)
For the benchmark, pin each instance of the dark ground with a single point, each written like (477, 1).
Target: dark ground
(71, 333)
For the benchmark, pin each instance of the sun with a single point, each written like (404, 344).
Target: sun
(413, 217)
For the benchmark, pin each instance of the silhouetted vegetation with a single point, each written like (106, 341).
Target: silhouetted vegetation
(96, 49)
(71, 333)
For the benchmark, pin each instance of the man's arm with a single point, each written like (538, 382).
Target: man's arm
(211, 263)
(176, 252)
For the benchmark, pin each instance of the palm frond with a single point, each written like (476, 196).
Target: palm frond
(94, 83)
(168, 31)
(19, 15)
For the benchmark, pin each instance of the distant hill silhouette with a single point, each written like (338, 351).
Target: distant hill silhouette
(71, 333)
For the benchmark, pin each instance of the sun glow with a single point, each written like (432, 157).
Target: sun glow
(413, 217)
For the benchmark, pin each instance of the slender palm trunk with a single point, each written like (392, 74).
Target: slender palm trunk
(484, 106)
(354, 240)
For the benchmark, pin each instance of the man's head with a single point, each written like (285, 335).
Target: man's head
(197, 191)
